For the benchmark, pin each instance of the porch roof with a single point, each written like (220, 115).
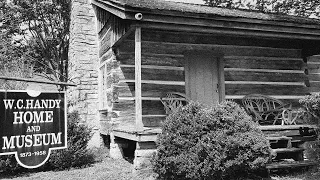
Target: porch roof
(175, 16)
(196, 10)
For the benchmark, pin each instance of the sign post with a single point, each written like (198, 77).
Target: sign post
(30, 127)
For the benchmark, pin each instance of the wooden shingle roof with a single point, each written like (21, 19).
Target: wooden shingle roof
(185, 9)
(175, 16)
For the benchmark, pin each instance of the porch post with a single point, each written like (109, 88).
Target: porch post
(138, 101)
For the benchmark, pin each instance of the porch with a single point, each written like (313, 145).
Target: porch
(288, 143)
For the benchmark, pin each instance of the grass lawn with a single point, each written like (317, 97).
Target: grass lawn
(111, 169)
(108, 169)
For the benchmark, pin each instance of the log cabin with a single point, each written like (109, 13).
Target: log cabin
(148, 47)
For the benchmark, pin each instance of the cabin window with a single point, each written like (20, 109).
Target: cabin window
(103, 74)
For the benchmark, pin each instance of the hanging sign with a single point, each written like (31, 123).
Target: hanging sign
(30, 127)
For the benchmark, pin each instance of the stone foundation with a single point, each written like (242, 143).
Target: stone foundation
(117, 147)
(142, 157)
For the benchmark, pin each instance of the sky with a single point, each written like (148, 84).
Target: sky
(189, 1)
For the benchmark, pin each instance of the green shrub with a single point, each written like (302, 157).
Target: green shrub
(77, 154)
(311, 103)
(9, 165)
(216, 143)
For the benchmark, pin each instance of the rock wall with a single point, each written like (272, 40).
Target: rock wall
(83, 66)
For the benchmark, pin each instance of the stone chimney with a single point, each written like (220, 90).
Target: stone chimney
(83, 66)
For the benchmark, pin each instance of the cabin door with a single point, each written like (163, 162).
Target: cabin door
(204, 78)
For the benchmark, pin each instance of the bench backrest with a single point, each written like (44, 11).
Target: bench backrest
(173, 101)
(254, 104)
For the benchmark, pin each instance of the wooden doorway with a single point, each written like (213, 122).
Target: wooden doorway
(204, 76)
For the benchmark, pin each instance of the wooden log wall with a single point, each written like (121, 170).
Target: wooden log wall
(273, 68)
(102, 18)
(110, 30)
(313, 72)
(160, 73)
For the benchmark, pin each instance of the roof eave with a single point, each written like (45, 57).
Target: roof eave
(114, 8)
(303, 31)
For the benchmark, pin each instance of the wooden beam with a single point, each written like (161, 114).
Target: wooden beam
(107, 31)
(229, 97)
(100, 86)
(152, 116)
(135, 137)
(124, 37)
(221, 23)
(287, 150)
(266, 70)
(144, 98)
(267, 83)
(147, 135)
(36, 81)
(156, 54)
(275, 96)
(181, 83)
(204, 38)
(279, 165)
(110, 8)
(174, 68)
(178, 83)
(192, 47)
(264, 58)
(138, 91)
(222, 90)
(220, 49)
(228, 31)
(286, 127)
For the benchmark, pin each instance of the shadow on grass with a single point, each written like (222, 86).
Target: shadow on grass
(21, 173)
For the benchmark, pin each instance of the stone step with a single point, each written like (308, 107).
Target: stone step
(287, 150)
(290, 164)
(280, 141)
(275, 138)
(286, 127)
(300, 130)
(297, 139)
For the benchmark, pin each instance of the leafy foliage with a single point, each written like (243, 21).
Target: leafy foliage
(305, 8)
(312, 104)
(311, 114)
(41, 28)
(13, 64)
(77, 154)
(13, 53)
(9, 165)
(216, 143)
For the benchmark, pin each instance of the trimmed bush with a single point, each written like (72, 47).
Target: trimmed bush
(77, 154)
(9, 165)
(311, 115)
(311, 103)
(210, 143)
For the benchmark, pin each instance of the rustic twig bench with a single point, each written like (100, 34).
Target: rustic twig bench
(267, 110)
(173, 100)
